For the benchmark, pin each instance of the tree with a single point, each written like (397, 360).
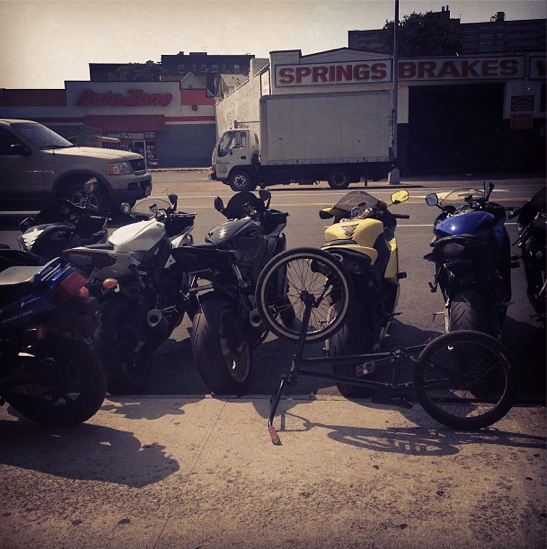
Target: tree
(139, 72)
(424, 34)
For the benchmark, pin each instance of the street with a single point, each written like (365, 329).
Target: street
(419, 309)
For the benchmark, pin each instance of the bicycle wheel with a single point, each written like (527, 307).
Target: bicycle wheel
(465, 380)
(295, 277)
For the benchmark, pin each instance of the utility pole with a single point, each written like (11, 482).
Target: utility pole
(394, 174)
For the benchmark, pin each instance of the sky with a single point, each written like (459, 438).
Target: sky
(43, 43)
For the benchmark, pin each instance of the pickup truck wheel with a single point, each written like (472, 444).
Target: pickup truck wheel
(97, 201)
(339, 180)
(241, 180)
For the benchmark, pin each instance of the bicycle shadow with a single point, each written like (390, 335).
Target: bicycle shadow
(421, 440)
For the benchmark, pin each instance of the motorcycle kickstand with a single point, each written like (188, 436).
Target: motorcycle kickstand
(293, 375)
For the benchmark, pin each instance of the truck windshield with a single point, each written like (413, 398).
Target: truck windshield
(42, 137)
(231, 140)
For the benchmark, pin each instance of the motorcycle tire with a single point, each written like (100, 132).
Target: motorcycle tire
(74, 384)
(223, 359)
(353, 338)
(128, 363)
(465, 380)
(471, 310)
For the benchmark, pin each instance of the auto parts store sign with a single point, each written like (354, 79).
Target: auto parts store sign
(431, 70)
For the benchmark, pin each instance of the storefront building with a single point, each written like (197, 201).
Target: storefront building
(467, 114)
(171, 123)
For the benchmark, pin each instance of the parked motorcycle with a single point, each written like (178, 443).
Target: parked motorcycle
(222, 280)
(362, 237)
(531, 227)
(140, 287)
(472, 256)
(61, 225)
(48, 372)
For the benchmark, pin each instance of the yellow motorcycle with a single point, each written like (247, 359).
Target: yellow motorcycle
(362, 238)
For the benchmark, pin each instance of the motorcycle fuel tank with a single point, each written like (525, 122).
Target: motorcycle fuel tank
(140, 236)
(479, 224)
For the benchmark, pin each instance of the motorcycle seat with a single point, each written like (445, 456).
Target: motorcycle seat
(15, 282)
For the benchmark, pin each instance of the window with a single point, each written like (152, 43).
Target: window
(203, 68)
(236, 69)
(214, 68)
(181, 69)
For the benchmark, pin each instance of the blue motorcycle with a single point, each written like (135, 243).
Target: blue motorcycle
(48, 372)
(472, 256)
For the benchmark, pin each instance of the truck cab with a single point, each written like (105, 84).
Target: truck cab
(234, 158)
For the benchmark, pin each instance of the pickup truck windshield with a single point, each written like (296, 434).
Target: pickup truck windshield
(42, 137)
(231, 140)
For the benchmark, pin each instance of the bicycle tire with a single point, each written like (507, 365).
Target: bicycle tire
(465, 380)
(291, 275)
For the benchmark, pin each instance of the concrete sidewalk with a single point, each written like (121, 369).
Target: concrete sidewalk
(199, 472)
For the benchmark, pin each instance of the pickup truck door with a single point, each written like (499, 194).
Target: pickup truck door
(21, 175)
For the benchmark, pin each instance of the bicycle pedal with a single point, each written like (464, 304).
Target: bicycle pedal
(397, 400)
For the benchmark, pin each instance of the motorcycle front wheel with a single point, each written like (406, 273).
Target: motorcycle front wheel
(314, 280)
(222, 354)
(128, 360)
(465, 380)
(71, 385)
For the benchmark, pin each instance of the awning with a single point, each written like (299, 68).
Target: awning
(127, 123)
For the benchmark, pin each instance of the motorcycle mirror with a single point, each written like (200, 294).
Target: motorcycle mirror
(325, 214)
(399, 196)
(432, 199)
(265, 196)
(219, 204)
(90, 185)
(173, 198)
(125, 208)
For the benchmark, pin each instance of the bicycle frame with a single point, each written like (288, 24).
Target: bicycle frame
(378, 358)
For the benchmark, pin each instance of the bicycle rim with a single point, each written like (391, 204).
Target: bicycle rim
(293, 277)
(464, 380)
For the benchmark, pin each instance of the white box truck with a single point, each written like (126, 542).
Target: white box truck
(304, 138)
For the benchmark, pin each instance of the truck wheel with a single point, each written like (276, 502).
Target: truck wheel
(97, 202)
(240, 180)
(339, 180)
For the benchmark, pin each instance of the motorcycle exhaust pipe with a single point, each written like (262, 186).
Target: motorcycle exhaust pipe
(157, 321)
(255, 319)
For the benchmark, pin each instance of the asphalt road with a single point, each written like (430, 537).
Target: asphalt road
(175, 372)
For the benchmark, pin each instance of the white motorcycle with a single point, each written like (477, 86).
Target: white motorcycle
(141, 288)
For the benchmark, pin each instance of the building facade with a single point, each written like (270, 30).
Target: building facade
(171, 123)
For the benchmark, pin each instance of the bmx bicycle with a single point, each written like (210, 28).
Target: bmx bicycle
(462, 379)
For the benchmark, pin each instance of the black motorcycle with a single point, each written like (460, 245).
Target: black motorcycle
(472, 256)
(222, 278)
(59, 226)
(48, 371)
(531, 226)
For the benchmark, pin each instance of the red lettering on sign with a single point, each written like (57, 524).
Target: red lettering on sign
(302, 72)
(343, 73)
(509, 67)
(407, 69)
(468, 68)
(449, 69)
(319, 74)
(378, 71)
(426, 69)
(287, 75)
(136, 98)
(489, 68)
(361, 72)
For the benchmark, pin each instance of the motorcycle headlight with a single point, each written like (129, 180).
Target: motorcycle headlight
(118, 168)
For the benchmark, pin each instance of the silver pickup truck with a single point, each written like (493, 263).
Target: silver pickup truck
(38, 166)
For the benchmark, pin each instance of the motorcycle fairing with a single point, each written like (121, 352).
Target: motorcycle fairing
(479, 224)
(139, 236)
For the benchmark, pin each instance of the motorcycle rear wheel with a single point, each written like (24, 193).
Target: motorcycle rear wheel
(470, 310)
(128, 362)
(73, 382)
(223, 357)
(465, 380)
(354, 338)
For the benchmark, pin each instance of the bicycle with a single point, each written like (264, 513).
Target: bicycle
(463, 379)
